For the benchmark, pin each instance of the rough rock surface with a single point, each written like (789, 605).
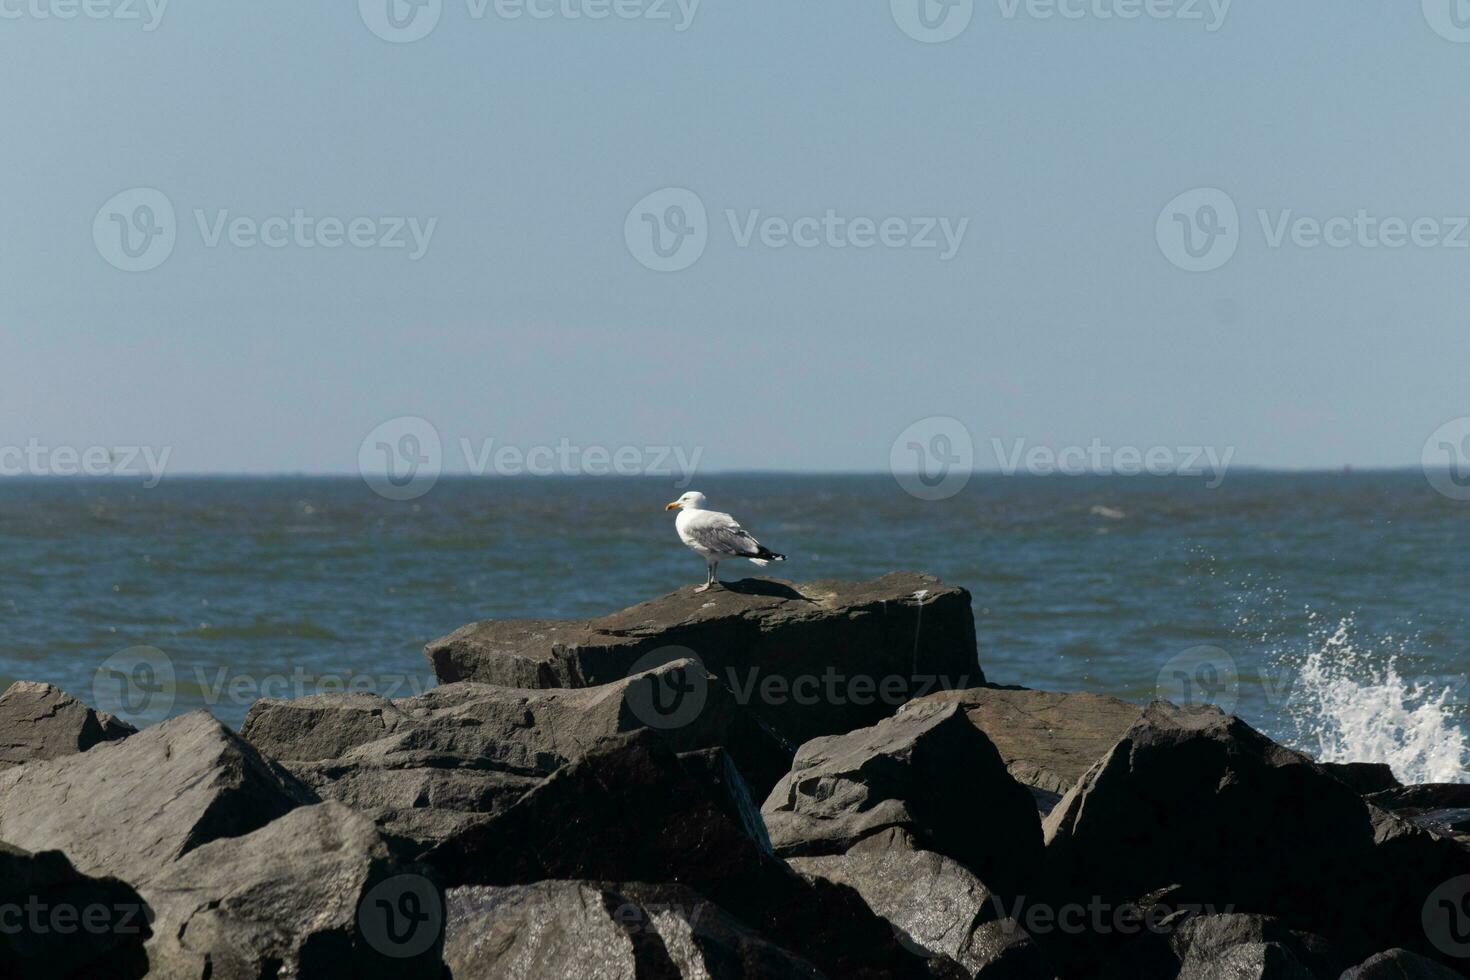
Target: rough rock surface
(1399, 964)
(427, 767)
(38, 721)
(58, 924)
(129, 808)
(1211, 945)
(1413, 867)
(1247, 961)
(935, 904)
(811, 659)
(1047, 739)
(630, 810)
(299, 897)
(1363, 777)
(1440, 807)
(927, 770)
(1196, 798)
(586, 929)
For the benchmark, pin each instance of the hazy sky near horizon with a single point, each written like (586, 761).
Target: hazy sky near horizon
(1036, 153)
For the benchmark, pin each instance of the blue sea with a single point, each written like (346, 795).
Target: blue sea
(1329, 610)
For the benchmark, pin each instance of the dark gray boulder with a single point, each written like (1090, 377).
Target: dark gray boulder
(1420, 887)
(1364, 777)
(1194, 798)
(810, 659)
(928, 771)
(427, 767)
(1047, 739)
(59, 924)
(129, 808)
(38, 721)
(935, 905)
(1440, 807)
(586, 929)
(313, 894)
(631, 810)
(1399, 964)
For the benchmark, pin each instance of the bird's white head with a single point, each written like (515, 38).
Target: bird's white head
(692, 500)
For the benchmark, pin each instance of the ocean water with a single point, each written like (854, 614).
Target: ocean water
(1329, 610)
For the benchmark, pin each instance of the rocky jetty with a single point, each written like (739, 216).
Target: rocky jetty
(768, 781)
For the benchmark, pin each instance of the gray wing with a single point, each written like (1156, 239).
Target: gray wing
(724, 537)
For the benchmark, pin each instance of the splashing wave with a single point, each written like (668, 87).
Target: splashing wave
(1348, 705)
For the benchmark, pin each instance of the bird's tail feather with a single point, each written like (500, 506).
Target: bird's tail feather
(767, 556)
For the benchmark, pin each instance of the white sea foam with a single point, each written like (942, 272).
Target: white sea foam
(1353, 705)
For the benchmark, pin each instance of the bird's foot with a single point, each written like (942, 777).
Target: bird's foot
(703, 588)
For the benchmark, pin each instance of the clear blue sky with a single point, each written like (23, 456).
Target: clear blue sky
(528, 320)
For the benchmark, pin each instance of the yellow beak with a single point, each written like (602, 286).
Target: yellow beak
(673, 506)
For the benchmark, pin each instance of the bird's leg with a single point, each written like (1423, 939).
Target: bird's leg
(709, 578)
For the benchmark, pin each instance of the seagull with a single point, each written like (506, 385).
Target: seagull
(715, 536)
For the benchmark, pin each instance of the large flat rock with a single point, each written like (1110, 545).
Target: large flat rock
(38, 721)
(810, 659)
(129, 808)
(427, 767)
(314, 894)
(1047, 739)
